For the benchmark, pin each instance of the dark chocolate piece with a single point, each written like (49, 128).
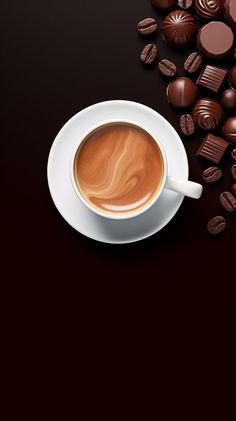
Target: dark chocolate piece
(229, 129)
(163, 4)
(233, 154)
(216, 225)
(179, 29)
(193, 62)
(212, 174)
(208, 114)
(212, 148)
(233, 76)
(181, 93)
(212, 78)
(167, 68)
(208, 9)
(233, 188)
(148, 54)
(228, 201)
(147, 26)
(233, 171)
(185, 4)
(228, 99)
(230, 12)
(187, 125)
(215, 40)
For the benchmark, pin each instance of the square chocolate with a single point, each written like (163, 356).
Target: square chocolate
(212, 78)
(212, 148)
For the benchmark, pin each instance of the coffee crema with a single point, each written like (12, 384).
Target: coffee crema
(118, 168)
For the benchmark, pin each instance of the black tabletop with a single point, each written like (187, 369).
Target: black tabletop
(58, 57)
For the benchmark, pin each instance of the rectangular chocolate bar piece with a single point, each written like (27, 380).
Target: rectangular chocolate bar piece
(212, 78)
(212, 148)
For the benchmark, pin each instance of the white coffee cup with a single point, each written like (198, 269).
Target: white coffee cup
(185, 187)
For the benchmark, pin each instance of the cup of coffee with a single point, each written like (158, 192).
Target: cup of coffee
(119, 170)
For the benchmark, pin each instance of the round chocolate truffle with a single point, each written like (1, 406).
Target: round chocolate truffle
(208, 114)
(208, 9)
(181, 93)
(230, 13)
(163, 4)
(229, 129)
(233, 76)
(179, 29)
(228, 99)
(215, 40)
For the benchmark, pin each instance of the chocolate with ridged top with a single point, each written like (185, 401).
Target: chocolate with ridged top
(208, 9)
(208, 114)
(230, 12)
(212, 78)
(215, 40)
(212, 148)
(179, 29)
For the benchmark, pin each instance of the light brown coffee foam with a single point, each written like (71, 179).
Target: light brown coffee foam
(119, 168)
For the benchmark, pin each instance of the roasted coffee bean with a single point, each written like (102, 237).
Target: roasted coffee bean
(167, 68)
(233, 188)
(147, 26)
(233, 171)
(187, 125)
(185, 4)
(228, 201)
(233, 154)
(193, 62)
(212, 174)
(216, 225)
(148, 54)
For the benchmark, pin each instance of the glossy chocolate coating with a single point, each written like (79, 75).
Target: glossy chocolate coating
(229, 129)
(230, 12)
(179, 29)
(215, 40)
(233, 76)
(163, 4)
(228, 99)
(181, 93)
(208, 9)
(208, 114)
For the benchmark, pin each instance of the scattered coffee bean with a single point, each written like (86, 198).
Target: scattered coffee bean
(187, 125)
(233, 171)
(185, 4)
(147, 26)
(167, 68)
(216, 225)
(212, 174)
(233, 188)
(148, 54)
(233, 154)
(193, 62)
(228, 201)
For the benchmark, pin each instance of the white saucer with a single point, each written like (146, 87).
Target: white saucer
(75, 212)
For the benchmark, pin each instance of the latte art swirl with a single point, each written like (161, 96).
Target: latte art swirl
(208, 9)
(119, 168)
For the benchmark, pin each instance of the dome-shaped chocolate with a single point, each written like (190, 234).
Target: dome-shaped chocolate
(179, 29)
(208, 114)
(208, 9)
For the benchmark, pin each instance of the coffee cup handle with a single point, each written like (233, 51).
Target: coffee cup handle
(186, 187)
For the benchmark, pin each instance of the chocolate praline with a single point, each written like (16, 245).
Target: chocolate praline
(228, 99)
(163, 4)
(233, 76)
(179, 29)
(208, 114)
(215, 40)
(181, 93)
(230, 12)
(229, 129)
(208, 9)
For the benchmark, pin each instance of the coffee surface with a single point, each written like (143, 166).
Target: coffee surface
(119, 168)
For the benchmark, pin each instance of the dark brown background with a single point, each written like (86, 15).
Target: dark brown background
(165, 305)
